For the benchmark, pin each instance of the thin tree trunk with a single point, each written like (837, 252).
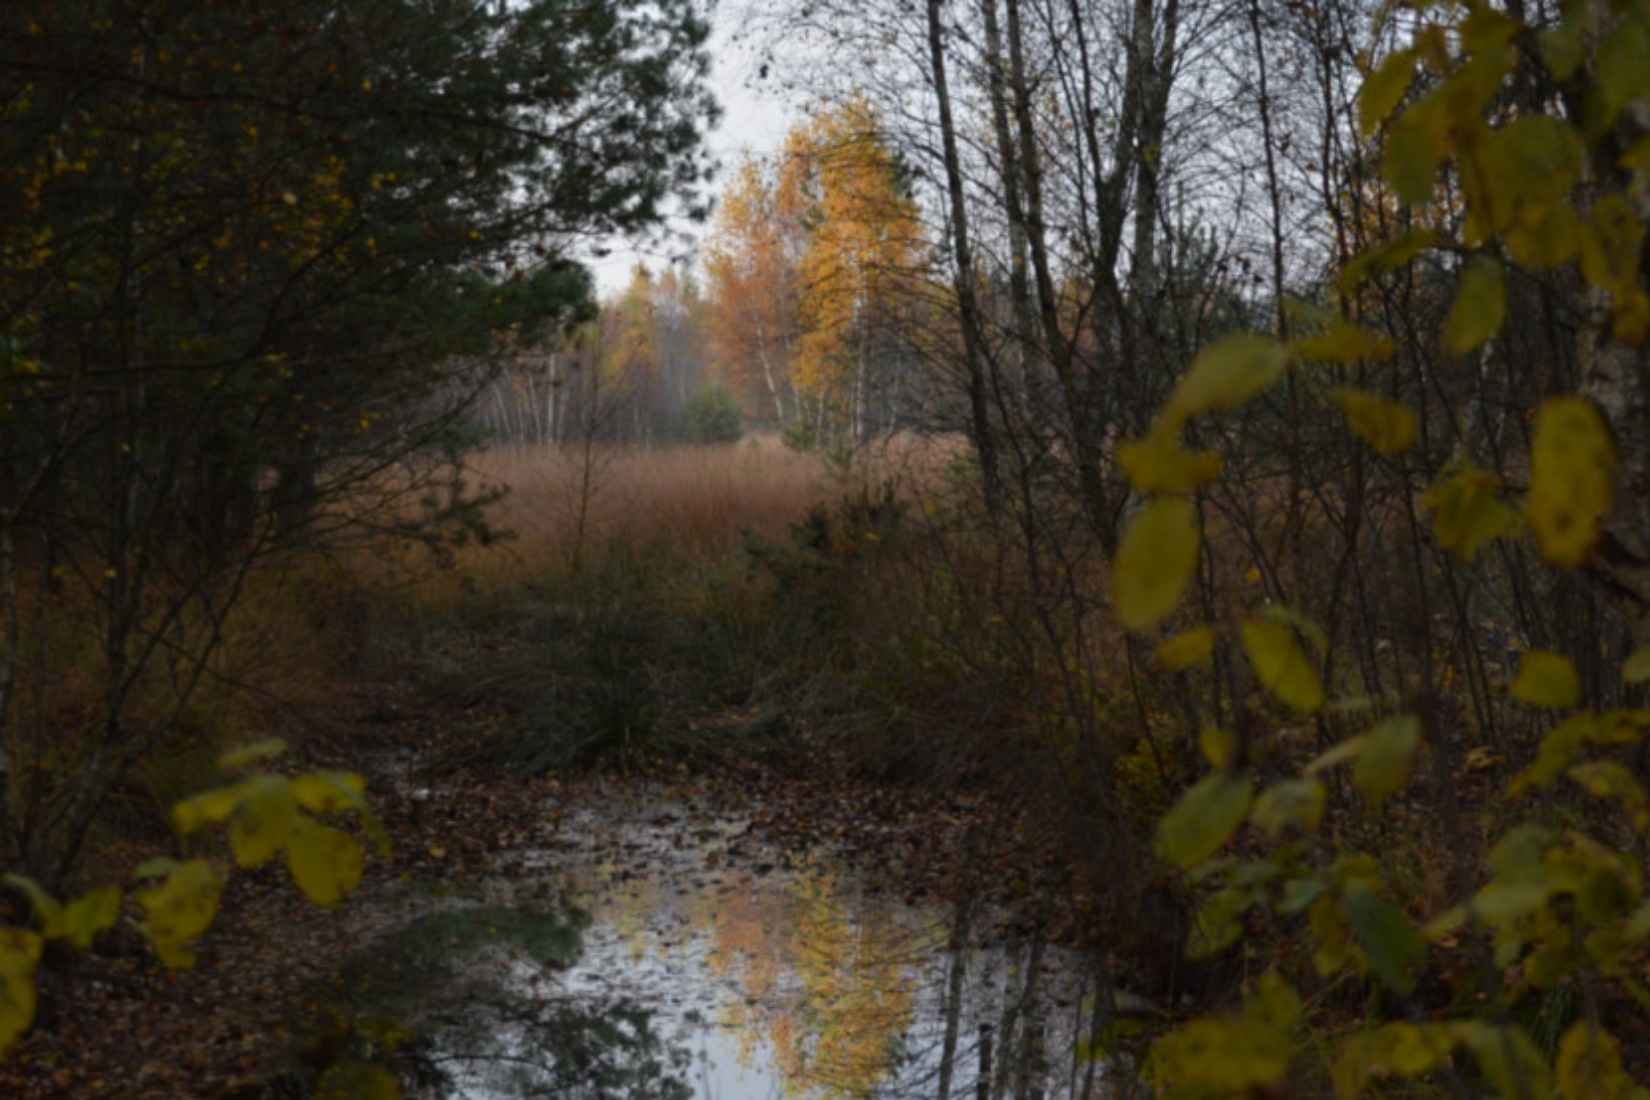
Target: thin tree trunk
(979, 412)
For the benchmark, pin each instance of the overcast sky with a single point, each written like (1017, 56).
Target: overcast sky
(755, 118)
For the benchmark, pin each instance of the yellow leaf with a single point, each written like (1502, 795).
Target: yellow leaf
(1466, 512)
(1394, 253)
(1572, 470)
(1292, 802)
(255, 753)
(1157, 464)
(1203, 819)
(1382, 768)
(1636, 669)
(1231, 1055)
(180, 910)
(325, 863)
(1155, 559)
(264, 821)
(357, 1081)
(1479, 308)
(1608, 779)
(1387, 426)
(326, 792)
(1487, 29)
(1188, 648)
(1589, 1065)
(208, 808)
(1344, 343)
(1508, 1058)
(1225, 375)
(1558, 747)
(1219, 747)
(1339, 753)
(1281, 666)
(17, 998)
(1404, 1049)
(93, 912)
(1383, 89)
(46, 908)
(1546, 680)
(1610, 244)
(1416, 143)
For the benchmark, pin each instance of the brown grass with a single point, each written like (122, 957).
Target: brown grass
(692, 502)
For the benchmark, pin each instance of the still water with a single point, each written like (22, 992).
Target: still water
(654, 949)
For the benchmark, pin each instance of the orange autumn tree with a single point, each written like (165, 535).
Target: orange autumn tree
(815, 274)
(751, 264)
(860, 277)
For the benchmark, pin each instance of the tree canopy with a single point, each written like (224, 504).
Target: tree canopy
(244, 248)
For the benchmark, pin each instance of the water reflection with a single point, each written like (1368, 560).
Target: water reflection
(696, 962)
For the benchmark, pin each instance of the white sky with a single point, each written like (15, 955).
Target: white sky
(755, 118)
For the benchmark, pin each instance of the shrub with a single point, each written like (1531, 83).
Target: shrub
(713, 416)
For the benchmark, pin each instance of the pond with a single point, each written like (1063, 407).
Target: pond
(657, 948)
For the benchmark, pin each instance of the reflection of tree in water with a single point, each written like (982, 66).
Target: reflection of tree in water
(458, 1004)
(588, 1052)
(829, 988)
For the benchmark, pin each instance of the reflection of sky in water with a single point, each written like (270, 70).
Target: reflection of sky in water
(776, 976)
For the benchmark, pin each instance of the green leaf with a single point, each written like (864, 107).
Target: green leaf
(1387, 426)
(1467, 512)
(1383, 89)
(1225, 375)
(1280, 665)
(1382, 767)
(1589, 1065)
(325, 863)
(1636, 668)
(93, 912)
(255, 753)
(1155, 560)
(180, 910)
(1203, 819)
(1572, 473)
(1546, 680)
(1188, 648)
(1388, 938)
(1480, 306)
